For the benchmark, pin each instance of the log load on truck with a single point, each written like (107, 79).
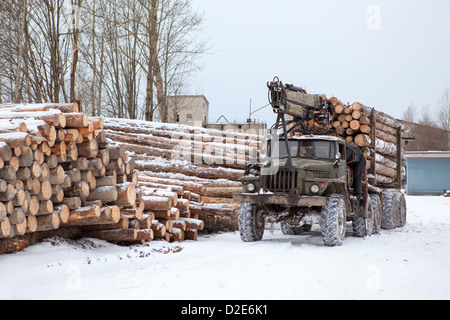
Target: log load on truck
(328, 164)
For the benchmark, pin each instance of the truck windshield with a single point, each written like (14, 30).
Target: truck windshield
(305, 149)
(293, 147)
(317, 149)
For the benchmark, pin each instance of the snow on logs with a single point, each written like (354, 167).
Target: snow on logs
(58, 175)
(354, 122)
(202, 166)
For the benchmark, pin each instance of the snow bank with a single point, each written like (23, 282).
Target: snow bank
(407, 263)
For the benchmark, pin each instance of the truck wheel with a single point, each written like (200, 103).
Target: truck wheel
(389, 219)
(333, 221)
(294, 231)
(251, 222)
(401, 200)
(360, 224)
(377, 209)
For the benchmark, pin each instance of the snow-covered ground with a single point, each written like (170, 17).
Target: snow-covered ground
(408, 263)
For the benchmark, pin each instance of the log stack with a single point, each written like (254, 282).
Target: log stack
(59, 176)
(202, 166)
(376, 133)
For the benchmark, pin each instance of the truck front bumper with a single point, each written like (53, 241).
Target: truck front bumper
(284, 200)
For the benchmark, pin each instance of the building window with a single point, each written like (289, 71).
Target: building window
(189, 117)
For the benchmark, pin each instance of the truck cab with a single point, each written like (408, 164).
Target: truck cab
(306, 165)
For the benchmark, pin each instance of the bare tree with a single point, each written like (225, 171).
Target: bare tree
(444, 110)
(410, 114)
(171, 49)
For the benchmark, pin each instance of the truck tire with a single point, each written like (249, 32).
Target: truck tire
(333, 221)
(377, 209)
(251, 222)
(360, 224)
(389, 220)
(289, 230)
(401, 200)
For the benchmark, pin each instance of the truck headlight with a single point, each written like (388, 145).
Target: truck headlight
(314, 188)
(251, 187)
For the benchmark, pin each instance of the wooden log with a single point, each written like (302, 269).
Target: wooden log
(18, 229)
(193, 170)
(108, 215)
(88, 149)
(126, 194)
(355, 125)
(18, 216)
(157, 203)
(113, 235)
(379, 116)
(3, 212)
(191, 234)
(33, 206)
(79, 189)
(222, 192)
(145, 235)
(193, 223)
(76, 120)
(31, 224)
(385, 128)
(16, 139)
(63, 212)
(63, 107)
(48, 222)
(72, 202)
(79, 214)
(57, 175)
(339, 108)
(45, 207)
(106, 181)
(5, 228)
(212, 209)
(46, 191)
(105, 193)
(161, 214)
(177, 235)
(97, 122)
(8, 194)
(8, 173)
(365, 128)
(5, 151)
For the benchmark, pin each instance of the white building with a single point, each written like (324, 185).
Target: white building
(188, 110)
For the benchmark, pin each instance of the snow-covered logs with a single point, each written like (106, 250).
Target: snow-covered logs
(58, 175)
(202, 166)
(375, 132)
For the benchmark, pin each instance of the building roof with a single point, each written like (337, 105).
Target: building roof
(427, 154)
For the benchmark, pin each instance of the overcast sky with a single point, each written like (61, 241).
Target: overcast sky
(385, 54)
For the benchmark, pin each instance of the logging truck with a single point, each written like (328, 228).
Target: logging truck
(306, 179)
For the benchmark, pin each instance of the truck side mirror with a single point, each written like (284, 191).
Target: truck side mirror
(337, 157)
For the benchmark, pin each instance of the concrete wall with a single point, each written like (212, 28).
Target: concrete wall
(188, 110)
(254, 128)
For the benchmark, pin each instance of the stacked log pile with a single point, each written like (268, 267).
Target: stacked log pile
(59, 176)
(202, 166)
(376, 133)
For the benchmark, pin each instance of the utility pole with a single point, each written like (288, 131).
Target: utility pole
(249, 120)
